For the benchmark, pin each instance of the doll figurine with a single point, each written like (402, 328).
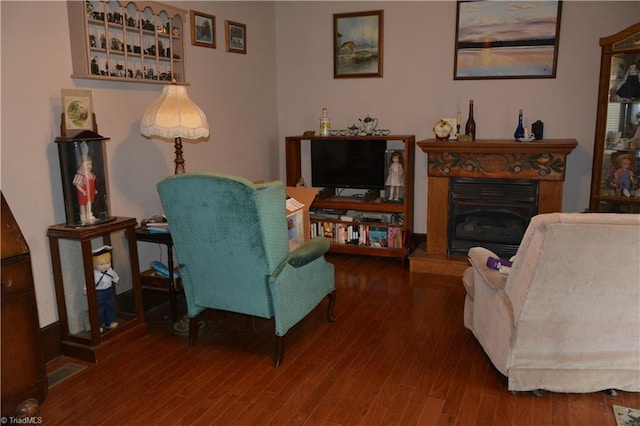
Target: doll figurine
(630, 86)
(85, 183)
(623, 176)
(104, 277)
(395, 176)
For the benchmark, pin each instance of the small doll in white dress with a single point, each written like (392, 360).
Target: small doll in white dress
(395, 176)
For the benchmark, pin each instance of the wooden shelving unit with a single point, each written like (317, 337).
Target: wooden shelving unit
(138, 41)
(402, 209)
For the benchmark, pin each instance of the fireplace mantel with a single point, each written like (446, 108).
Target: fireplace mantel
(544, 161)
(499, 159)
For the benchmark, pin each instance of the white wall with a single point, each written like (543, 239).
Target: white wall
(253, 101)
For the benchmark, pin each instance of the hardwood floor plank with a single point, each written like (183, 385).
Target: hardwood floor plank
(398, 354)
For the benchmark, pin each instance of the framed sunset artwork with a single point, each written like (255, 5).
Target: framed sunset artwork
(506, 39)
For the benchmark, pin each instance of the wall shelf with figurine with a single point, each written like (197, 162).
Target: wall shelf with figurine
(138, 41)
(615, 179)
(376, 216)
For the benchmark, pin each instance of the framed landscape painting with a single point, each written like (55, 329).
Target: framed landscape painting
(357, 44)
(506, 39)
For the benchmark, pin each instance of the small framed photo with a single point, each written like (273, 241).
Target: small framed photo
(236, 37)
(357, 44)
(77, 108)
(203, 29)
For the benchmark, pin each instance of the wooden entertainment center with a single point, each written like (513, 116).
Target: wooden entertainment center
(370, 204)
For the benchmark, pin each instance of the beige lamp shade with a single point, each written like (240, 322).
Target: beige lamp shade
(174, 115)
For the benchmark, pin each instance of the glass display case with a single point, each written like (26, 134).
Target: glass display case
(615, 181)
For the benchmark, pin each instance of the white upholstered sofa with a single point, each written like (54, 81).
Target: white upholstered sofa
(567, 316)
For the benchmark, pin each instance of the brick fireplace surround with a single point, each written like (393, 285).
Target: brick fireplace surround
(543, 161)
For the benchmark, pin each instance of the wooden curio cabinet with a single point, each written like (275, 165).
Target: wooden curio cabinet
(615, 180)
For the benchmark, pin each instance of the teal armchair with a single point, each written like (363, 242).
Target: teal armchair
(231, 241)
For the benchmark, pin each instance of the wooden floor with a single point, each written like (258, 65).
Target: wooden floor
(398, 355)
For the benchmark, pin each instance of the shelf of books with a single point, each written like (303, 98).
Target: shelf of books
(353, 233)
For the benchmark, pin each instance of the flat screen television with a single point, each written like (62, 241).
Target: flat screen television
(348, 163)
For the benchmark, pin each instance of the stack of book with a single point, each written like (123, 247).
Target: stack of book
(157, 227)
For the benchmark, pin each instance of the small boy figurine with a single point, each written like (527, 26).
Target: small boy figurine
(104, 276)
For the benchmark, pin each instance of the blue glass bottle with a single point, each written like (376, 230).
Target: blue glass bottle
(519, 133)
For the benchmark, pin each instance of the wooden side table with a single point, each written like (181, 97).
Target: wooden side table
(73, 272)
(152, 280)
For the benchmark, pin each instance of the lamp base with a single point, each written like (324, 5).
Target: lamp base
(179, 159)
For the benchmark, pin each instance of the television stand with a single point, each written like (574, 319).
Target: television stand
(364, 236)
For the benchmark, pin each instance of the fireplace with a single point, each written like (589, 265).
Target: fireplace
(490, 216)
(492, 213)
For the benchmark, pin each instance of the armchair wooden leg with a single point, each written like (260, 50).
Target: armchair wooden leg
(332, 302)
(194, 327)
(279, 351)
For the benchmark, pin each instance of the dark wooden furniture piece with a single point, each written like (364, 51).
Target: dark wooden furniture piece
(73, 271)
(152, 280)
(543, 161)
(617, 124)
(405, 208)
(23, 367)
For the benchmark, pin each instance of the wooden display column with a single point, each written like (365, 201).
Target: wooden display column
(543, 161)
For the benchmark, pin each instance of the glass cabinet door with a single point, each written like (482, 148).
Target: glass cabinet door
(615, 185)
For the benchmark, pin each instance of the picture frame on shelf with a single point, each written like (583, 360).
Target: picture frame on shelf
(77, 108)
(518, 42)
(203, 29)
(358, 44)
(235, 37)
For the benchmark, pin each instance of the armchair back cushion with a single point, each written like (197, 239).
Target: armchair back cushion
(231, 241)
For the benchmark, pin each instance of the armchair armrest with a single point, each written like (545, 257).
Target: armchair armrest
(309, 251)
(478, 257)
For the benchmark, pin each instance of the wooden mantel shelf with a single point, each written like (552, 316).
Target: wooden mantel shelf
(499, 159)
(559, 146)
(543, 161)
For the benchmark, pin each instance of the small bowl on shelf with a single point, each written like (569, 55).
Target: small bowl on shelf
(529, 138)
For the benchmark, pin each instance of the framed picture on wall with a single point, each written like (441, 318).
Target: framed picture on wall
(506, 39)
(203, 29)
(358, 44)
(236, 37)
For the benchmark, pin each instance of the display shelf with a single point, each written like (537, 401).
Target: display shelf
(139, 41)
(615, 182)
(358, 202)
(71, 248)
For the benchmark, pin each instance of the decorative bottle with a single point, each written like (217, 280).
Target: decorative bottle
(519, 133)
(325, 123)
(470, 127)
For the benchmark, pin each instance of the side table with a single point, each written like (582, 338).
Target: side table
(151, 280)
(72, 261)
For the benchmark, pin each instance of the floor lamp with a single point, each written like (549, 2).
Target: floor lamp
(172, 117)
